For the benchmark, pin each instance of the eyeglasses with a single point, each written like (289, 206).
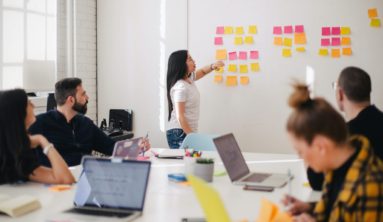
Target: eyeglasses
(334, 85)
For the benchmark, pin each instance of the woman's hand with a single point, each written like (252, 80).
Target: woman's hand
(145, 145)
(38, 140)
(217, 65)
(295, 206)
(304, 218)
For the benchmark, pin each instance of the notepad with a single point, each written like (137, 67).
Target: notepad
(270, 212)
(19, 205)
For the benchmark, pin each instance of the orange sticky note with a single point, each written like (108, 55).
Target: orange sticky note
(218, 78)
(238, 40)
(268, 211)
(228, 30)
(347, 51)
(282, 217)
(372, 13)
(300, 49)
(249, 40)
(345, 30)
(252, 29)
(254, 67)
(232, 68)
(239, 30)
(278, 41)
(287, 42)
(231, 81)
(221, 54)
(220, 70)
(244, 80)
(286, 52)
(375, 22)
(346, 41)
(300, 38)
(335, 53)
(323, 52)
(243, 68)
(58, 188)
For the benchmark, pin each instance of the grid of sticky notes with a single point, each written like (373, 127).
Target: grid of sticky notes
(373, 16)
(335, 42)
(235, 45)
(289, 36)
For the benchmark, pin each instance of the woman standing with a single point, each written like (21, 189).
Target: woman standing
(183, 95)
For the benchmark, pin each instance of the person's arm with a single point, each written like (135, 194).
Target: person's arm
(180, 113)
(102, 143)
(207, 69)
(59, 173)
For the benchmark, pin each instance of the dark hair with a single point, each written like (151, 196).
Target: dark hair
(14, 140)
(356, 84)
(65, 88)
(313, 117)
(177, 69)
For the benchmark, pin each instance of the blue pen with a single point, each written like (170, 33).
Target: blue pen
(146, 137)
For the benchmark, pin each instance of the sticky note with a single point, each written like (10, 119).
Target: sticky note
(277, 30)
(249, 40)
(254, 67)
(300, 49)
(220, 54)
(58, 188)
(335, 31)
(287, 42)
(267, 211)
(254, 54)
(242, 55)
(372, 13)
(220, 70)
(238, 40)
(244, 80)
(300, 38)
(218, 41)
(326, 31)
(243, 68)
(228, 30)
(239, 30)
(346, 41)
(299, 29)
(286, 52)
(278, 41)
(288, 29)
(232, 55)
(323, 52)
(232, 68)
(252, 29)
(218, 78)
(231, 81)
(335, 41)
(345, 30)
(347, 51)
(220, 30)
(283, 217)
(325, 42)
(335, 53)
(375, 22)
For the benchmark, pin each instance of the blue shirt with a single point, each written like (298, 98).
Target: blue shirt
(72, 140)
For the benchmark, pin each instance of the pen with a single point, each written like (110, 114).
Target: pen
(146, 137)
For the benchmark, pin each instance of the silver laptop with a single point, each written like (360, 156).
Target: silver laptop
(127, 149)
(112, 188)
(237, 168)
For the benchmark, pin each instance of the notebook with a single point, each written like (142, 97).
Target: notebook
(19, 205)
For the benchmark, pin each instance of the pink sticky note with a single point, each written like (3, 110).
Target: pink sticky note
(243, 55)
(299, 29)
(335, 31)
(277, 30)
(326, 31)
(288, 29)
(232, 55)
(254, 55)
(220, 30)
(218, 41)
(335, 41)
(325, 42)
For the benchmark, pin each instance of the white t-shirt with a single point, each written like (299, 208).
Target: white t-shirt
(184, 91)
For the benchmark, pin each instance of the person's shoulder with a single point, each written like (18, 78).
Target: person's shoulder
(84, 119)
(180, 84)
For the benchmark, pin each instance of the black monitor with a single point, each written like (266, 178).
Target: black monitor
(121, 118)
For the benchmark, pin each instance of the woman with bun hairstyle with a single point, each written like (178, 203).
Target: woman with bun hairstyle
(353, 187)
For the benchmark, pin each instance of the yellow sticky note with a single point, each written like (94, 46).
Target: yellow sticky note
(375, 22)
(231, 81)
(300, 49)
(220, 70)
(282, 217)
(268, 211)
(252, 29)
(286, 53)
(300, 38)
(287, 42)
(239, 30)
(323, 52)
(249, 40)
(209, 200)
(372, 13)
(278, 41)
(244, 80)
(218, 78)
(238, 40)
(232, 68)
(243, 69)
(335, 53)
(58, 188)
(254, 67)
(221, 54)
(345, 31)
(346, 41)
(347, 51)
(228, 30)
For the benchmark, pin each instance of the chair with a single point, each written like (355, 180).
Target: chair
(51, 102)
(199, 141)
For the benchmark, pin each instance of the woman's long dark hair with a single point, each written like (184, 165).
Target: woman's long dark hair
(14, 140)
(177, 69)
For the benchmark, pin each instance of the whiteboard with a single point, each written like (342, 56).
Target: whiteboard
(257, 113)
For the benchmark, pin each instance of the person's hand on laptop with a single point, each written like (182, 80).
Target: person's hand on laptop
(145, 145)
(296, 206)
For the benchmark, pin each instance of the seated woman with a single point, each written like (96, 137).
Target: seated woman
(353, 189)
(17, 159)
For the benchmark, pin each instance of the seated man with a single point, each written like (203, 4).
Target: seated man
(72, 133)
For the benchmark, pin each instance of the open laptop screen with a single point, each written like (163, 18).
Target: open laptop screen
(106, 183)
(231, 156)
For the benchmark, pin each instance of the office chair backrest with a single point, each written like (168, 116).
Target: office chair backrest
(199, 141)
(51, 102)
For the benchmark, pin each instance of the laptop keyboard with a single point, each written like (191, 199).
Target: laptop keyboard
(257, 177)
(99, 213)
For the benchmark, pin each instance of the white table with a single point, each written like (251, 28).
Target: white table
(168, 201)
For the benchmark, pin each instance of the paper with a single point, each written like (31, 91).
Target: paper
(300, 38)
(335, 41)
(335, 31)
(218, 41)
(325, 42)
(372, 13)
(287, 42)
(345, 30)
(267, 211)
(232, 55)
(300, 49)
(254, 54)
(228, 30)
(244, 80)
(239, 30)
(375, 22)
(299, 29)
(335, 53)
(288, 29)
(278, 41)
(277, 30)
(243, 55)
(249, 40)
(220, 54)
(254, 67)
(220, 30)
(252, 29)
(220, 70)
(326, 31)
(282, 217)
(231, 81)
(346, 51)
(346, 41)
(232, 68)
(243, 68)
(286, 52)
(218, 78)
(323, 52)
(238, 40)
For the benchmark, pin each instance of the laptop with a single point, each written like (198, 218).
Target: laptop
(110, 189)
(237, 168)
(127, 149)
